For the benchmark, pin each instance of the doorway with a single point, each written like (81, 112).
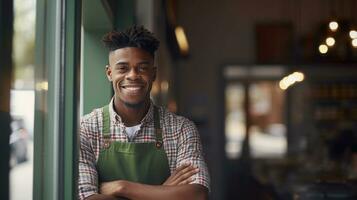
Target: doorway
(255, 127)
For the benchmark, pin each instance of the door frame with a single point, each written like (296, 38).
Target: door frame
(57, 61)
(6, 26)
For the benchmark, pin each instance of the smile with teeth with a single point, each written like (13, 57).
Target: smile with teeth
(132, 87)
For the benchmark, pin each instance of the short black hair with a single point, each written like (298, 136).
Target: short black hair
(134, 36)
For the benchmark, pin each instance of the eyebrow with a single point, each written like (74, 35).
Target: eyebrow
(125, 63)
(120, 63)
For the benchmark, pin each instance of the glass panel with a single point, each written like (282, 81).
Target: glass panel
(235, 119)
(267, 131)
(22, 101)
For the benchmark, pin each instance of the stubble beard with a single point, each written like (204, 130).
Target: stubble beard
(134, 105)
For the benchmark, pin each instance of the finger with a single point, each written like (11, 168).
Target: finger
(186, 170)
(188, 174)
(181, 177)
(173, 176)
(187, 181)
(183, 166)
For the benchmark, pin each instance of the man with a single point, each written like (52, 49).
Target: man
(132, 149)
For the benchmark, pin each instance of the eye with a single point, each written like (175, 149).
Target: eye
(122, 68)
(143, 68)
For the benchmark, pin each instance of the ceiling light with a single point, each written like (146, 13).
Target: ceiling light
(330, 41)
(299, 76)
(290, 80)
(333, 25)
(181, 40)
(353, 34)
(323, 49)
(354, 43)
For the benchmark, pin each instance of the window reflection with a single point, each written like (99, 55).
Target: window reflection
(235, 119)
(267, 130)
(22, 101)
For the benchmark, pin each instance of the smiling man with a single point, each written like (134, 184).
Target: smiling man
(131, 148)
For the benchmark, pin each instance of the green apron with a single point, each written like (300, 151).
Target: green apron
(138, 162)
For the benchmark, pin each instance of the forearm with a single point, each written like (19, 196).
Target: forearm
(137, 191)
(104, 197)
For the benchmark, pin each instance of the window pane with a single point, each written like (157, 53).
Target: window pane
(235, 119)
(267, 131)
(22, 101)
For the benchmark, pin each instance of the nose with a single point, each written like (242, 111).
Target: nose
(133, 74)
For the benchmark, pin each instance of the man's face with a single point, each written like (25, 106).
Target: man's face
(132, 73)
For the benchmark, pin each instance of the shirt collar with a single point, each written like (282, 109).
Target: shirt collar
(115, 117)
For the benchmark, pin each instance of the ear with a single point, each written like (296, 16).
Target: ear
(108, 72)
(154, 73)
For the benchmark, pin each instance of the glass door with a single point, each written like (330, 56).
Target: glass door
(22, 101)
(254, 112)
(267, 129)
(254, 127)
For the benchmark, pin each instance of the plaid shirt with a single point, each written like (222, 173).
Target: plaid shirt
(181, 143)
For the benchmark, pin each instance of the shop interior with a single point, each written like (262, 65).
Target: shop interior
(270, 84)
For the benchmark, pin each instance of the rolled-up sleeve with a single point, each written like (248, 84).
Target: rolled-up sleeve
(88, 177)
(190, 151)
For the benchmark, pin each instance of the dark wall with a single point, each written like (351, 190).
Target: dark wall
(221, 33)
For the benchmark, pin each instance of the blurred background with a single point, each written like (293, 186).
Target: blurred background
(270, 84)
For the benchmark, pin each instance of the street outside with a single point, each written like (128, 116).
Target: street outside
(21, 177)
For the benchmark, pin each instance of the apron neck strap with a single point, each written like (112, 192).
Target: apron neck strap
(106, 122)
(157, 125)
(158, 130)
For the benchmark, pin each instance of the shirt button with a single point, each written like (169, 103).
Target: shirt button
(106, 144)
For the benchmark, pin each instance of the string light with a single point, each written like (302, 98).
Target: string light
(291, 79)
(353, 34)
(333, 25)
(354, 43)
(323, 49)
(330, 41)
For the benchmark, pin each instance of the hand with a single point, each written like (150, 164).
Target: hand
(111, 188)
(182, 175)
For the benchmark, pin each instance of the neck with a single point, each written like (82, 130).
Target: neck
(131, 115)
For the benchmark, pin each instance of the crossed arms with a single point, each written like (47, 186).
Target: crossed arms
(176, 187)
